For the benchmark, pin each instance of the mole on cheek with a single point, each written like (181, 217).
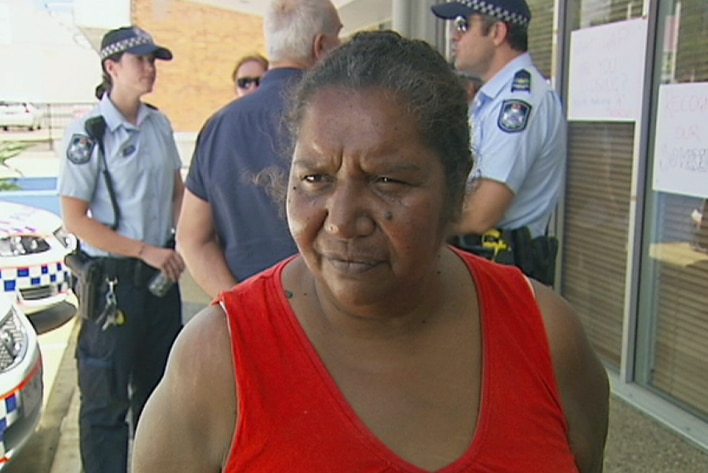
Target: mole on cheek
(388, 216)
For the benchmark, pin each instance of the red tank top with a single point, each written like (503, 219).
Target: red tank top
(293, 418)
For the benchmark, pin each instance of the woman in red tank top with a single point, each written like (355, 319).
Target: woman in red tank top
(379, 348)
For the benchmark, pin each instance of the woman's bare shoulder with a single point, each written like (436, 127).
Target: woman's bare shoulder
(194, 406)
(202, 358)
(204, 343)
(582, 379)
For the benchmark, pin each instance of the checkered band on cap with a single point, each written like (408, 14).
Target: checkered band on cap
(124, 45)
(488, 7)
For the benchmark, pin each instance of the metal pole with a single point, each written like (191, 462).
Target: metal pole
(401, 17)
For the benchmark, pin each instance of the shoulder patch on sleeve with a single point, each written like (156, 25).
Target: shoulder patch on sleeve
(514, 115)
(522, 81)
(80, 148)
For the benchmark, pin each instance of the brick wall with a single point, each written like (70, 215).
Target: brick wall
(206, 43)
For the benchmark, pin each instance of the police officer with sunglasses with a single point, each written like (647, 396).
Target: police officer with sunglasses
(518, 133)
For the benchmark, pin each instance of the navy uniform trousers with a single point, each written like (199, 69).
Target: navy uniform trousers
(118, 370)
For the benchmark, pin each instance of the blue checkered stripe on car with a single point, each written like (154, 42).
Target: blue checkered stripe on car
(22, 401)
(8, 413)
(34, 276)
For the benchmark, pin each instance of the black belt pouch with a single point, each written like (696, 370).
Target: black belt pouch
(544, 250)
(89, 272)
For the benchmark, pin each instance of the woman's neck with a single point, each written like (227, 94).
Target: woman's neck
(128, 105)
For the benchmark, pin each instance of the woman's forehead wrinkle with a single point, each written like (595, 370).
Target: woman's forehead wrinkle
(323, 137)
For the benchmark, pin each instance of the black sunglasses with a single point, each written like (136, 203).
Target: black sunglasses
(246, 82)
(462, 24)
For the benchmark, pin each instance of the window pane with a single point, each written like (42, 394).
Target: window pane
(673, 293)
(597, 203)
(541, 35)
(595, 238)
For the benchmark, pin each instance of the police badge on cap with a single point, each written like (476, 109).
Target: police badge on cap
(509, 11)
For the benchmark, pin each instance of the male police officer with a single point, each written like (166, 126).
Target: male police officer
(518, 134)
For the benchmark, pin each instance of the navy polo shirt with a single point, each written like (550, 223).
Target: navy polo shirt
(240, 164)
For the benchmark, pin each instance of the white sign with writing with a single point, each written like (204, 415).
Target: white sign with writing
(681, 148)
(606, 71)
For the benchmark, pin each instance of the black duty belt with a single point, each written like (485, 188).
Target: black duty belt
(127, 269)
(496, 245)
(536, 257)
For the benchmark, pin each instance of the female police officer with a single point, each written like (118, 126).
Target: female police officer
(121, 192)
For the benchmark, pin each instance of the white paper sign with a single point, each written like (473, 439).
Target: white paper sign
(681, 148)
(606, 72)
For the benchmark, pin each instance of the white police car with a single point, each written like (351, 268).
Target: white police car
(32, 249)
(21, 385)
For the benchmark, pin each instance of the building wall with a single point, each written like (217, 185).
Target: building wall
(206, 43)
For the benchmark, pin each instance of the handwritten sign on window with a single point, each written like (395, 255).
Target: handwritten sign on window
(681, 147)
(606, 71)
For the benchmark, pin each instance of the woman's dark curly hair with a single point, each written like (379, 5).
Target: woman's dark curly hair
(422, 82)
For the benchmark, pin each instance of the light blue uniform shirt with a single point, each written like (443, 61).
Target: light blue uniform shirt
(142, 161)
(519, 136)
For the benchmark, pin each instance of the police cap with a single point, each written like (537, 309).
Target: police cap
(133, 40)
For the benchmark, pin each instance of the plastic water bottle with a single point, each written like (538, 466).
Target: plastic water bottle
(160, 284)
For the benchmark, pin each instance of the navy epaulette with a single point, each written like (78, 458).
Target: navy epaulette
(522, 81)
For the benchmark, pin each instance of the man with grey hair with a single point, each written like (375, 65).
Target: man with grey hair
(231, 227)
